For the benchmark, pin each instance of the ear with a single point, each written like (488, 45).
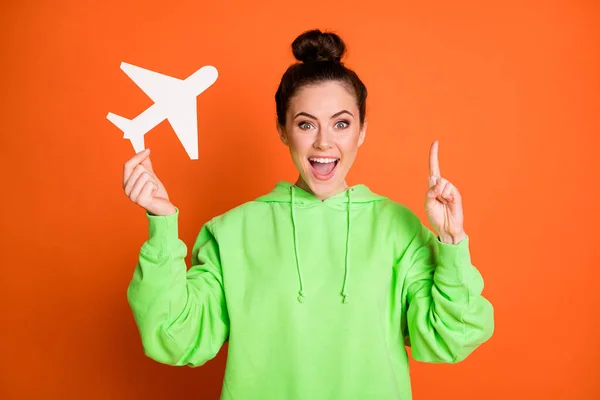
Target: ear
(362, 134)
(282, 133)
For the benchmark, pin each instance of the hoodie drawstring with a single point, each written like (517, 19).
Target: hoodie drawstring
(301, 295)
(344, 293)
(346, 260)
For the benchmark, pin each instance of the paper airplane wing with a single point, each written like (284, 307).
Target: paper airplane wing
(156, 85)
(182, 117)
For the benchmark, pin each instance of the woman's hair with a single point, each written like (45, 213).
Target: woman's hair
(319, 55)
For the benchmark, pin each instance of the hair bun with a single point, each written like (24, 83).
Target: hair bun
(315, 45)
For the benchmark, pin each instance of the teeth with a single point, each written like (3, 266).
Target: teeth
(323, 160)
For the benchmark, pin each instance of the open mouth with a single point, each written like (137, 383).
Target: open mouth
(323, 168)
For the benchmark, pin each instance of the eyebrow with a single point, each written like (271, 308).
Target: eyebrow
(337, 114)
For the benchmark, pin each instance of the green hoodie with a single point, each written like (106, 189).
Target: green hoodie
(316, 298)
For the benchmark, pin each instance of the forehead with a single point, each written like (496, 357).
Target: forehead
(325, 98)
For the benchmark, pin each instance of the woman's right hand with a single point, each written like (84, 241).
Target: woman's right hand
(143, 187)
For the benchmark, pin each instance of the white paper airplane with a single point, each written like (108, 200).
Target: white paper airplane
(174, 100)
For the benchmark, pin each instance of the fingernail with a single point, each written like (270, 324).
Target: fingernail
(146, 151)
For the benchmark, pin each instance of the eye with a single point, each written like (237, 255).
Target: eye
(342, 124)
(304, 125)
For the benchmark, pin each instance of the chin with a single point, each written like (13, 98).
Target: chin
(323, 188)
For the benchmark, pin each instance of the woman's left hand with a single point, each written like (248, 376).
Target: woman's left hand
(443, 203)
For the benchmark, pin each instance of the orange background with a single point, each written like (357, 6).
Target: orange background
(511, 90)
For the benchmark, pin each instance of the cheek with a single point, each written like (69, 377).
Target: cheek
(349, 145)
(300, 144)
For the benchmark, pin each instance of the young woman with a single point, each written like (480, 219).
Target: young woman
(316, 286)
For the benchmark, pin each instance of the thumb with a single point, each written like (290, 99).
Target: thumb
(433, 180)
(146, 163)
(434, 191)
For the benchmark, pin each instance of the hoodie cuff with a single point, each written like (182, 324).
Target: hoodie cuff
(163, 230)
(453, 260)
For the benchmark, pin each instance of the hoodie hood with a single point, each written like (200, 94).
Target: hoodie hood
(350, 199)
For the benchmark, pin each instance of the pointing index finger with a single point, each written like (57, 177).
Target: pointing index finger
(434, 166)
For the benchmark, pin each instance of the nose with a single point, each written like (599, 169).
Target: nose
(322, 141)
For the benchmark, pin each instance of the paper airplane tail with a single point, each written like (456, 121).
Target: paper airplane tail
(124, 124)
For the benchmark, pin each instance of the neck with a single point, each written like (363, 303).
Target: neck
(321, 196)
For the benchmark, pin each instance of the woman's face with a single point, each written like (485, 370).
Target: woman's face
(323, 134)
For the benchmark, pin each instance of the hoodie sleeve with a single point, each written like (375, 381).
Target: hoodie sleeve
(181, 315)
(447, 318)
